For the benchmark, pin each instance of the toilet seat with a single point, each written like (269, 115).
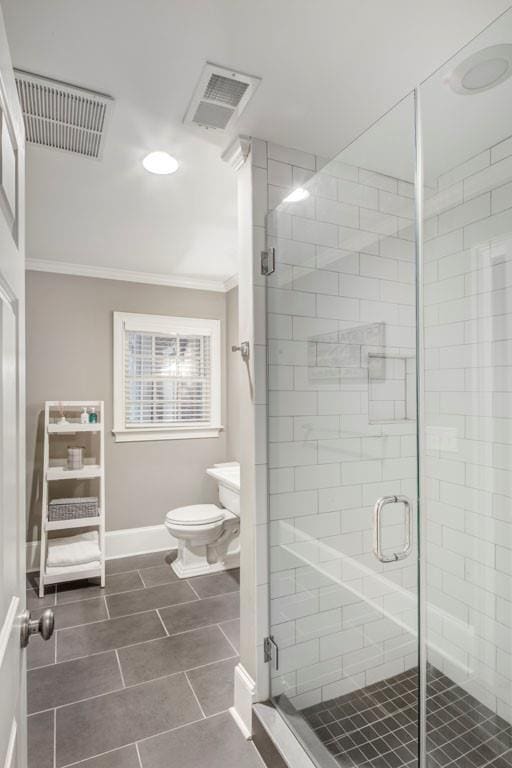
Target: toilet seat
(195, 514)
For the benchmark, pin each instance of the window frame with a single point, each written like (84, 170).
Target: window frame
(165, 324)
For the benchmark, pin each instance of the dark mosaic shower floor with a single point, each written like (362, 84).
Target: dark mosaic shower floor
(376, 727)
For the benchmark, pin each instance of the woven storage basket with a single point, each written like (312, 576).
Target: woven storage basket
(72, 509)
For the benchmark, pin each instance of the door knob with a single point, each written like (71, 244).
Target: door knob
(44, 626)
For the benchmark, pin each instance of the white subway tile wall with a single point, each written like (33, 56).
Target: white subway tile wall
(469, 427)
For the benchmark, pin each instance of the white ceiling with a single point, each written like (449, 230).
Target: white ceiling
(329, 69)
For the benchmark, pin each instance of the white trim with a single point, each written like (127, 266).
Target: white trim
(7, 627)
(122, 543)
(149, 435)
(244, 698)
(11, 746)
(165, 324)
(130, 276)
(238, 720)
(230, 283)
(237, 152)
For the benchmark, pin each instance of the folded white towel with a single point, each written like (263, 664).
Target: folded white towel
(57, 571)
(73, 550)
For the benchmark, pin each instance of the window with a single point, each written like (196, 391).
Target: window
(166, 377)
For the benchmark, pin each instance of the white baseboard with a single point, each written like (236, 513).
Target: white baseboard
(127, 541)
(244, 697)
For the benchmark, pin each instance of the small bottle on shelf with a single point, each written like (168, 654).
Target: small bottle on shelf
(93, 416)
(84, 417)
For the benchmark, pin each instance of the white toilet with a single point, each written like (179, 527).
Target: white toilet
(209, 536)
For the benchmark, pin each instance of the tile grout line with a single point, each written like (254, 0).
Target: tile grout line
(120, 668)
(229, 641)
(147, 610)
(133, 685)
(144, 586)
(193, 589)
(162, 623)
(138, 754)
(131, 645)
(106, 607)
(195, 695)
(104, 594)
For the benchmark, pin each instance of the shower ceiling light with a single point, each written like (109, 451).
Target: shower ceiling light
(482, 70)
(297, 195)
(160, 162)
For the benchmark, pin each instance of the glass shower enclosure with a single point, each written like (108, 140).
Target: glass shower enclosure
(389, 331)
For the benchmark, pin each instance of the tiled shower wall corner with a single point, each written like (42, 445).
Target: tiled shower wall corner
(341, 424)
(468, 297)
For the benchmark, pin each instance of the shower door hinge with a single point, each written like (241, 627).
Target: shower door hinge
(271, 651)
(268, 262)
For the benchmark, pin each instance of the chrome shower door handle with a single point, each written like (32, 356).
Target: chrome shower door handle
(377, 529)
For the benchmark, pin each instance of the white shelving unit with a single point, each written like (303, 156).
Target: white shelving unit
(55, 470)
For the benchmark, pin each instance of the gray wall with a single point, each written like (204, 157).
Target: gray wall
(69, 357)
(233, 377)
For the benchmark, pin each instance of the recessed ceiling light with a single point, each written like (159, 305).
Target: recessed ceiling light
(482, 70)
(160, 162)
(297, 195)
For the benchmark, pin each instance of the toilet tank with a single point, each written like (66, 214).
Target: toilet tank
(228, 479)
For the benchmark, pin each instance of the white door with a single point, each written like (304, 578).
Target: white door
(12, 407)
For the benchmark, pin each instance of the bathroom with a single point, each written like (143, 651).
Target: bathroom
(256, 412)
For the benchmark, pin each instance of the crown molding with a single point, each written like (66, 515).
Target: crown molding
(151, 278)
(230, 283)
(237, 152)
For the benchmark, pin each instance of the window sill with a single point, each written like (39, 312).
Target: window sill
(147, 435)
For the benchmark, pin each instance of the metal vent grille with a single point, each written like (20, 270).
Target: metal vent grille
(213, 115)
(225, 90)
(220, 97)
(63, 116)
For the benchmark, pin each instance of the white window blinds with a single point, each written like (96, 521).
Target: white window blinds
(166, 377)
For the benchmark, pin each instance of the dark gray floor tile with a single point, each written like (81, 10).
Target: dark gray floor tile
(81, 612)
(117, 719)
(71, 681)
(106, 635)
(84, 590)
(173, 654)
(33, 599)
(213, 685)
(213, 743)
(213, 610)
(120, 758)
(154, 597)
(232, 630)
(217, 583)
(159, 574)
(40, 740)
(133, 563)
(40, 652)
(35, 603)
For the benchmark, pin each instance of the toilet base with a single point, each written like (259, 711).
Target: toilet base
(189, 565)
(193, 560)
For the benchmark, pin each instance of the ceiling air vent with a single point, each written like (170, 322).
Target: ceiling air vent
(63, 116)
(220, 97)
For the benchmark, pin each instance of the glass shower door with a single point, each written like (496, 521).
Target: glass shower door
(467, 509)
(342, 450)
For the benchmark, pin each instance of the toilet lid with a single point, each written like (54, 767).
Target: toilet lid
(196, 514)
